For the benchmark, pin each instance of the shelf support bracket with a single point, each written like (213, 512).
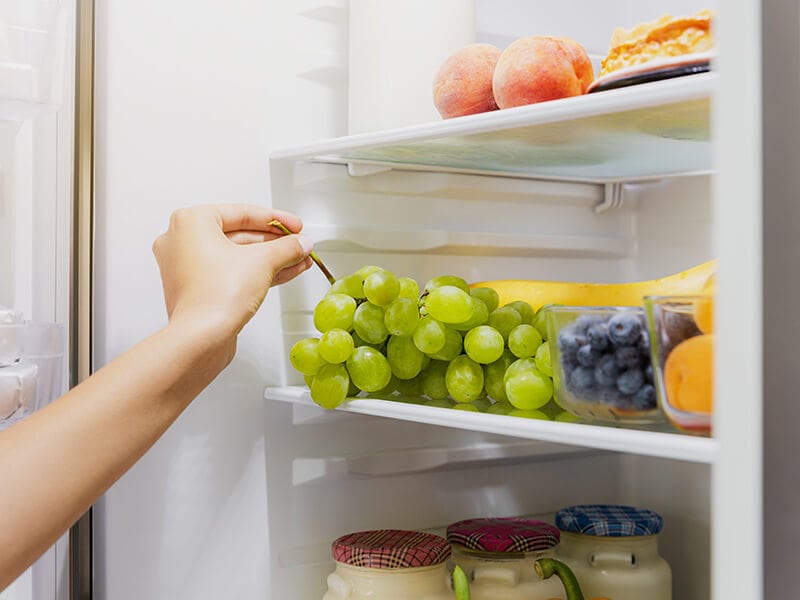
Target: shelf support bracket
(362, 169)
(613, 197)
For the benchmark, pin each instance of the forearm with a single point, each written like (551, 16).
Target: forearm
(64, 457)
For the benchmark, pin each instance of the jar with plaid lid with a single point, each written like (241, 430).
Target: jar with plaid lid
(613, 551)
(390, 564)
(498, 555)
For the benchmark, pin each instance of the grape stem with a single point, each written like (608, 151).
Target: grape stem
(328, 275)
(547, 567)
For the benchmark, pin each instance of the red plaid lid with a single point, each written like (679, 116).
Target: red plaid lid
(390, 549)
(504, 534)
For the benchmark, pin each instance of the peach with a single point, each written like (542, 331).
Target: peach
(539, 68)
(688, 374)
(463, 84)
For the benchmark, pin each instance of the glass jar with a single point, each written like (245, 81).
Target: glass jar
(498, 555)
(390, 564)
(613, 551)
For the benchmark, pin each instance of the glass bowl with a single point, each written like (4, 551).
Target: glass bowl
(682, 347)
(601, 363)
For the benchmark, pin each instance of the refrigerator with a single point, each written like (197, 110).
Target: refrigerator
(181, 103)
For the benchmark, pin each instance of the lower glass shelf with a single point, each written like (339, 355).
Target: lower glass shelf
(660, 441)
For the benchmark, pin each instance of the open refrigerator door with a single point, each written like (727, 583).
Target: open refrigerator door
(618, 186)
(36, 177)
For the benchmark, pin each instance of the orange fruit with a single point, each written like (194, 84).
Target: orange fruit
(704, 306)
(688, 374)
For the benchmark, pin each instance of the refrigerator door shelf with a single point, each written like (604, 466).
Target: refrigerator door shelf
(643, 132)
(659, 441)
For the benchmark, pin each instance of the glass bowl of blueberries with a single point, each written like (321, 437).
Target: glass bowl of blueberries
(602, 367)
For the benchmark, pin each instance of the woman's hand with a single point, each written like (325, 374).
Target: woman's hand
(217, 263)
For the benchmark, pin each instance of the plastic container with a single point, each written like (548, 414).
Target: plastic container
(683, 369)
(613, 551)
(395, 50)
(17, 391)
(498, 556)
(44, 345)
(390, 564)
(11, 333)
(601, 363)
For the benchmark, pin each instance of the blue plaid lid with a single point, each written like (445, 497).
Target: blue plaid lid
(609, 520)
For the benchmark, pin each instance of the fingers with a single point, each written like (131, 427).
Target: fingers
(284, 252)
(248, 217)
(289, 273)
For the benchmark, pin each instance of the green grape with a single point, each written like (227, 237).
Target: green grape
(518, 366)
(524, 340)
(409, 288)
(357, 341)
(366, 271)
(404, 357)
(330, 386)
(453, 345)
(389, 389)
(449, 304)
(368, 323)
(429, 335)
(305, 357)
(524, 309)
(410, 388)
(529, 414)
(433, 380)
(464, 379)
(352, 285)
(489, 296)
(493, 374)
(529, 389)
(480, 315)
(353, 390)
(468, 406)
(440, 403)
(500, 408)
(308, 379)
(542, 358)
(402, 316)
(442, 280)
(551, 409)
(482, 404)
(504, 319)
(369, 370)
(381, 287)
(540, 320)
(565, 417)
(484, 344)
(334, 311)
(336, 345)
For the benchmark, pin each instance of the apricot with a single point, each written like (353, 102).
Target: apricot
(688, 374)
(539, 68)
(463, 84)
(704, 306)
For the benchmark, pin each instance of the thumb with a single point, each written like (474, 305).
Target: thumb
(284, 252)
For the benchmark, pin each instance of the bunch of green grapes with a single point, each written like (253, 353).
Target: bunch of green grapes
(445, 345)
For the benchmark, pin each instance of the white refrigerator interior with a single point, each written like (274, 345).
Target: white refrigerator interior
(199, 102)
(36, 149)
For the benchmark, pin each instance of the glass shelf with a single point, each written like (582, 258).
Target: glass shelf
(664, 443)
(641, 132)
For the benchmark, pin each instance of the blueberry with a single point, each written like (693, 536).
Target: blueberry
(645, 398)
(624, 329)
(581, 379)
(648, 373)
(630, 381)
(606, 371)
(613, 397)
(628, 357)
(569, 341)
(584, 322)
(597, 335)
(587, 356)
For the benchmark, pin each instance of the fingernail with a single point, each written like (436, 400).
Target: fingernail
(306, 244)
